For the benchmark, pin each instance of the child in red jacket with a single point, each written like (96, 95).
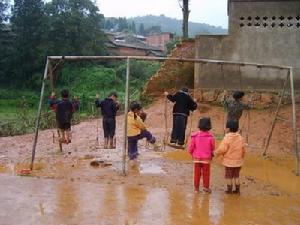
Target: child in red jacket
(201, 148)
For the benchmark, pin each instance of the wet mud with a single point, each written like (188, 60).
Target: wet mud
(64, 188)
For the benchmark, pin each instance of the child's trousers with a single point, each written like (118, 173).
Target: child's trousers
(133, 141)
(204, 170)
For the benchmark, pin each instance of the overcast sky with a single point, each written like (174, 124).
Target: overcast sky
(213, 12)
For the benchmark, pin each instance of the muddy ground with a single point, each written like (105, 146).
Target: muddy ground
(64, 189)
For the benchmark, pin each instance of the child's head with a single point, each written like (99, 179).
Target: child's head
(185, 89)
(238, 95)
(232, 126)
(64, 93)
(135, 107)
(113, 95)
(204, 124)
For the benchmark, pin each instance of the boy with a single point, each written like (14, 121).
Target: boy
(235, 106)
(232, 148)
(136, 130)
(181, 110)
(109, 107)
(64, 110)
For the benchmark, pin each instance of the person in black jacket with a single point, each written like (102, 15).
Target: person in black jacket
(181, 110)
(64, 110)
(109, 107)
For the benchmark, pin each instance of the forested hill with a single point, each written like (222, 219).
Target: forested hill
(168, 24)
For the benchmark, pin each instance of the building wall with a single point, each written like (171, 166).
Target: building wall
(125, 51)
(259, 32)
(159, 40)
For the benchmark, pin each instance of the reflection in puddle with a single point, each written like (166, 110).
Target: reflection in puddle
(150, 168)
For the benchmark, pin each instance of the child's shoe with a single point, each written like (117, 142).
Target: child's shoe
(237, 189)
(229, 189)
(196, 191)
(207, 190)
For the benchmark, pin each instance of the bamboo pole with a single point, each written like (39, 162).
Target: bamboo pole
(269, 135)
(295, 144)
(149, 58)
(125, 118)
(38, 116)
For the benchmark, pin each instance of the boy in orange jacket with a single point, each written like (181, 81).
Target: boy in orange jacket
(232, 148)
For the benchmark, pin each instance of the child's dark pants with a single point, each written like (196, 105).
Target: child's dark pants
(178, 131)
(109, 127)
(133, 141)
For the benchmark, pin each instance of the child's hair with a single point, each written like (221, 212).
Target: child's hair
(204, 124)
(185, 89)
(238, 95)
(64, 93)
(232, 125)
(135, 106)
(113, 94)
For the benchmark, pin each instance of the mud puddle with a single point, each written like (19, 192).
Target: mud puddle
(63, 202)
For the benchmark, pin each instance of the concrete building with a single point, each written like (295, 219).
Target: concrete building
(260, 31)
(160, 40)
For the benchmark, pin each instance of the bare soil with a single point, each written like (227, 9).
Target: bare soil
(64, 189)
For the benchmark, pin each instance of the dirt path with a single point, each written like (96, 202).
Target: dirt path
(65, 189)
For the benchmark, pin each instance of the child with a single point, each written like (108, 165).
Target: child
(235, 106)
(64, 113)
(64, 110)
(184, 103)
(232, 148)
(136, 130)
(109, 107)
(201, 148)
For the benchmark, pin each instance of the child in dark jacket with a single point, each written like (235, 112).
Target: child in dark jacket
(201, 148)
(109, 107)
(181, 110)
(235, 106)
(64, 110)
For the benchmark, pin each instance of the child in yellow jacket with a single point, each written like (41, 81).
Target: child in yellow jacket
(136, 130)
(232, 148)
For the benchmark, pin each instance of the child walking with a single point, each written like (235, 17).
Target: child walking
(201, 148)
(109, 107)
(232, 148)
(136, 130)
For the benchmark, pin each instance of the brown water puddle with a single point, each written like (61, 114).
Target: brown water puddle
(43, 201)
(275, 171)
(278, 172)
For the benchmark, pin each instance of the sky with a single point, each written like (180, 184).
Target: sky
(213, 12)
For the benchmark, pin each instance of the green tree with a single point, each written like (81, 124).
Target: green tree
(133, 27)
(27, 25)
(74, 28)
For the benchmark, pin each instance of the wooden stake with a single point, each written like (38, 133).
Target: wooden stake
(38, 116)
(125, 118)
(295, 141)
(269, 135)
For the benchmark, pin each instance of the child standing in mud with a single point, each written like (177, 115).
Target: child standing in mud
(136, 130)
(235, 106)
(232, 148)
(64, 110)
(201, 148)
(109, 107)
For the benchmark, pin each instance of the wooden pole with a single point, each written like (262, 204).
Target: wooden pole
(38, 116)
(275, 117)
(125, 117)
(295, 144)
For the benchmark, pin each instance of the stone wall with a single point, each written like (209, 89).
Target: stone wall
(259, 32)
